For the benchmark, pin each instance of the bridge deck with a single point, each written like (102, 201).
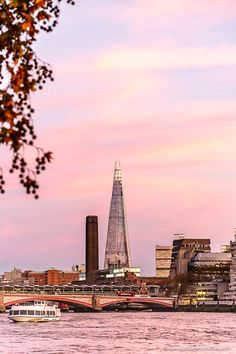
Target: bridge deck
(87, 301)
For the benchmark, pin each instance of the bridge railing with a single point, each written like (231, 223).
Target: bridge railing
(74, 289)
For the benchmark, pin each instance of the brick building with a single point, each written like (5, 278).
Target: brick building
(53, 277)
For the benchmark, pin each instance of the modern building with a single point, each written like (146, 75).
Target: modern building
(183, 251)
(225, 249)
(163, 261)
(211, 290)
(216, 259)
(124, 275)
(213, 265)
(117, 254)
(231, 294)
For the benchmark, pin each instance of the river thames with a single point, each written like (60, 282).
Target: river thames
(122, 333)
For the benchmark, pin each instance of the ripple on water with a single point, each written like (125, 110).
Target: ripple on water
(129, 333)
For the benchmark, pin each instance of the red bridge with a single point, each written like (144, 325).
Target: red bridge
(91, 302)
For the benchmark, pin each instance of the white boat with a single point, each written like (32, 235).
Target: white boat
(39, 311)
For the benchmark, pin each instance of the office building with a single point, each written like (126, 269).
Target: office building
(117, 252)
(231, 294)
(163, 261)
(183, 251)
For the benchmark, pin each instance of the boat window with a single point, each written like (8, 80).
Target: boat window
(47, 313)
(23, 312)
(43, 313)
(31, 312)
(10, 312)
(37, 313)
(16, 312)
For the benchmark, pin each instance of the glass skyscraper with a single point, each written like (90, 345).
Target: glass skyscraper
(117, 252)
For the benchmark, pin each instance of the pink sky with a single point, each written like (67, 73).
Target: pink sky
(149, 83)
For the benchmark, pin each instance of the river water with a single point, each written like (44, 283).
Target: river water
(123, 333)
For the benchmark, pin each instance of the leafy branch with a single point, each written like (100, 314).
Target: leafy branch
(21, 74)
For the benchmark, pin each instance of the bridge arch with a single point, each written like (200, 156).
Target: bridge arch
(59, 299)
(150, 302)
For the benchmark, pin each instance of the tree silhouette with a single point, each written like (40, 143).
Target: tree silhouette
(22, 72)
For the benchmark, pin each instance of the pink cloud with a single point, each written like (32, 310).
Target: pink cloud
(142, 12)
(173, 58)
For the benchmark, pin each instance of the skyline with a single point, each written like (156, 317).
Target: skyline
(152, 86)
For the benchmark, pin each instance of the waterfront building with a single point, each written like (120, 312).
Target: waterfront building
(183, 251)
(123, 275)
(163, 261)
(213, 265)
(231, 294)
(211, 290)
(53, 277)
(117, 254)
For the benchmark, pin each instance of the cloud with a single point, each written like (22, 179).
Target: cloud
(168, 11)
(174, 58)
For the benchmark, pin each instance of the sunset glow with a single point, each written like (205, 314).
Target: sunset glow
(149, 83)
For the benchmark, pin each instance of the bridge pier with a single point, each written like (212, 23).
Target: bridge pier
(2, 306)
(96, 303)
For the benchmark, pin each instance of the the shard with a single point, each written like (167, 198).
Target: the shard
(117, 247)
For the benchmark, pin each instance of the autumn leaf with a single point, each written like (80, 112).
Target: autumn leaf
(27, 25)
(21, 73)
(39, 3)
(48, 156)
(43, 15)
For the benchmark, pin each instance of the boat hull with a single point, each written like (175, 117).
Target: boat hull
(33, 319)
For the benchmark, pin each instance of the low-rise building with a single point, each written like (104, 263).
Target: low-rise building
(53, 277)
(13, 276)
(125, 275)
(211, 290)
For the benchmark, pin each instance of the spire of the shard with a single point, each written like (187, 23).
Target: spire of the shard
(117, 247)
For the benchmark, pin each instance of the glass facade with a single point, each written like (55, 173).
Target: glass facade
(117, 252)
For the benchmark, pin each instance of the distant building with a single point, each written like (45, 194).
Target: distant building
(214, 265)
(231, 294)
(211, 290)
(183, 251)
(13, 276)
(211, 259)
(81, 269)
(117, 252)
(53, 277)
(124, 275)
(225, 249)
(163, 261)
(38, 278)
(78, 268)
